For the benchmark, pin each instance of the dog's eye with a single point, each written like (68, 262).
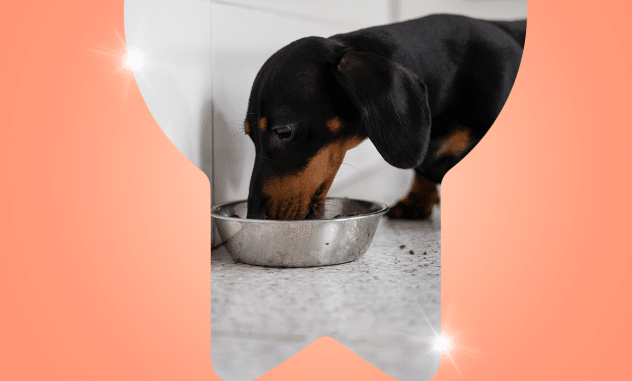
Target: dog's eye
(284, 132)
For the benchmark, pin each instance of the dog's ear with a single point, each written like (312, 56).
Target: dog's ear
(393, 106)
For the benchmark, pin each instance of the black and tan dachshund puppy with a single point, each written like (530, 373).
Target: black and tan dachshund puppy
(423, 91)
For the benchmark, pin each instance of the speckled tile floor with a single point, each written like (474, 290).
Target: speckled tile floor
(385, 307)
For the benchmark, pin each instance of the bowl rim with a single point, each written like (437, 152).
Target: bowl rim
(383, 210)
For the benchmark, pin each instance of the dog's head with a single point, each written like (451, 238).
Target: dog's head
(312, 101)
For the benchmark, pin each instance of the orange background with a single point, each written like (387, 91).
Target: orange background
(105, 226)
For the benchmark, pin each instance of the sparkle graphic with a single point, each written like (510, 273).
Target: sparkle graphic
(135, 59)
(443, 344)
(127, 59)
(450, 347)
(447, 343)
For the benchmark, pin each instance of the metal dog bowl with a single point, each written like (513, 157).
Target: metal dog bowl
(304, 243)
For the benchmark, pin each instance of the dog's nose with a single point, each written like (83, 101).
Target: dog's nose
(256, 208)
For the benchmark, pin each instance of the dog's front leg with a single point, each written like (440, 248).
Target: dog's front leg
(418, 205)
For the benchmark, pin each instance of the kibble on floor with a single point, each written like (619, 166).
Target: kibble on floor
(385, 306)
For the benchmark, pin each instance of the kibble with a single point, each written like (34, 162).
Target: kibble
(347, 215)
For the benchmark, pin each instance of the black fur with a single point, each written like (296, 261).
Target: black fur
(406, 86)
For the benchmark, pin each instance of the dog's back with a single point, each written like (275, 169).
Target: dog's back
(468, 66)
(424, 91)
(516, 29)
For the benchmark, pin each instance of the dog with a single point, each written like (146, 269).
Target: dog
(424, 91)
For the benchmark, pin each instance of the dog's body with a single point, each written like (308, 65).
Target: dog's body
(424, 91)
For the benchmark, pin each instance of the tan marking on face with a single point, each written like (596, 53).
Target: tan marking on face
(334, 124)
(290, 196)
(455, 144)
(263, 123)
(247, 128)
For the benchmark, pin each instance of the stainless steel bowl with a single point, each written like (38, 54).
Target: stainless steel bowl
(305, 243)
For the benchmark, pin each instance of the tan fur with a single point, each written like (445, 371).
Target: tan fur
(334, 124)
(263, 123)
(289, 197)
(455, 144)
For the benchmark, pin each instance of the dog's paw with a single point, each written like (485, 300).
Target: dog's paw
(419, 203)
(405, 210)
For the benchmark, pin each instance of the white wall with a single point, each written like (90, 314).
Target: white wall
(485, 9)
(242, 41)
(345, 14)
(243, 38)
(203, 55)
(175, 37)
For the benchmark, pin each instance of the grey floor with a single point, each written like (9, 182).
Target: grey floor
(385, 307)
